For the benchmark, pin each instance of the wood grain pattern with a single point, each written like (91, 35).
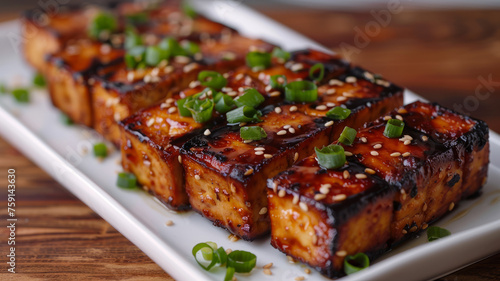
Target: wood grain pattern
(437, 54)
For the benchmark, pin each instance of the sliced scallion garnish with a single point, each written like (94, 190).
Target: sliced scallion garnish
(126, 180)
(281, 54)
(278, 82)
(21, 95)
(251, 97)
(137, 18)
(243, 114)
(394, 128)
(347, 136)
(201, 246)
(102, 22)
(39, 80)
(134, 56)
(301, 91)
(66, 119)
(154, 55)
(252, 133)
(172, 47)
(132, 39)
(355, 263)
(436, 232)
(223, 102)
(241, 261)
(188, 10)
(259, 60)
(338, 113)
(201, 110)
(190, 47)
(212, 79)
(3, 88)
(331, 156)
(313, 72)
(100, 149)
(229, 274)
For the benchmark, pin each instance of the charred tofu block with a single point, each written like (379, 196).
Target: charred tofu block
(125, 91)
(152, 152)
(321, 215)
(226, 176)
(69, 73)
(47, 33)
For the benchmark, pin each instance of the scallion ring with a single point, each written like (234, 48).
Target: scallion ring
(251, 97)
(212, 79)
(201, 110)
(281, 54)
(252, 133)
(100, 149)
(21, 95)
(39, 80)
(301, 91)
(355, 263)
(154, 55)
(394, 128)
(223, 102)
(331, 156)
(126, 180)
(338, 113)
(190, 47)
(199, 247)
(313, 72)
(278, 82)
(243, 114)
(347, 136)
(436, 232)
(102, 22)
(229, 274)
(241, 261)
(259, 60)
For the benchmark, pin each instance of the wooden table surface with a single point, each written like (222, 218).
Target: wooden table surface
(442, 55)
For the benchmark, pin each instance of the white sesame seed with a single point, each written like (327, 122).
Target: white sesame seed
(368, 75)
(268, 88)
(293, 108)
(247, 141)
(169, 100)
(361, 176)
(259, 152)
(155, 71)
(299, 278)
(341, 98)
(452, 205)
(319, 196)
(307, 271)
(282, 132)
(341, 253)
(303, 206)
(290, 259)
(425, 138)
(402, 111)
(370, 171)
(339, 197)
(406, 154)
(194, 84)
(267, 266)
(346, 174)
(239, 76)
(321, 107)
(291, 130)
(248, 172)
(233, 238)
(275, 94)
(130, 76)
(331, 91)
(328, 124)
(351, 79)
(399, 117)
(168, 69)
(267, 156)
(287, 126)
(207, 132)
(295, 157)
(377, 146)
(189, 67)
(150, 122)
(182, 59)
(374, 153)
(330, 104)
(335, 82)
(295, 199)
(263, 211)
(172, 110)
(196, 177)
(277, 110)
(395, 154)
(147, 78)
(179, 158)
(297, 67)
(348, 153)
(387, 117)
(169, 223)
(282, 193)
(232, 93)
(260, 148)
(233, 188)
(267, 271)
(407, 142)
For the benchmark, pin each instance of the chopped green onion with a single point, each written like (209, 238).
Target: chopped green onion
(347, 136)
(21, 95)
(251, 97)
(223, 102)
(154, 55)
(132, 39)
(190, 47)
(180, 106)
(229, 274)
(135, 56)
(188, 10)
(314, 69)
(207, 252)
(221, 256)
(301, 91)
(436, 232)
(3, 88)
(338, 113)
(331, 156)
(126, 180)
(241, 261)
(172, 47)
(39, 80)
(213, 260)
(281, 54)
(201, 110)
(394, 128)
(355, 263)
(66, 119)
(137, 18)
(258, 60)
(102, 22)
(252, 133)
(243, 114)
(275, 82)
(100, 149)
(212, 79)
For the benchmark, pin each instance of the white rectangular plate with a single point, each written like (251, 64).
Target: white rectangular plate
(37, 131)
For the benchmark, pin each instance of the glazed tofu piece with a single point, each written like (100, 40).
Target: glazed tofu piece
(389, 189)
(226, 176)
(152, 152)
(126, 91)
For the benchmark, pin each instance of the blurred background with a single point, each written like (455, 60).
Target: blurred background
(446, 51)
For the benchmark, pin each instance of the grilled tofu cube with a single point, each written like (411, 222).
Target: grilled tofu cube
(422, 174)
(226, 176)
(69, 72)
(127, 91)
(161, 147)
